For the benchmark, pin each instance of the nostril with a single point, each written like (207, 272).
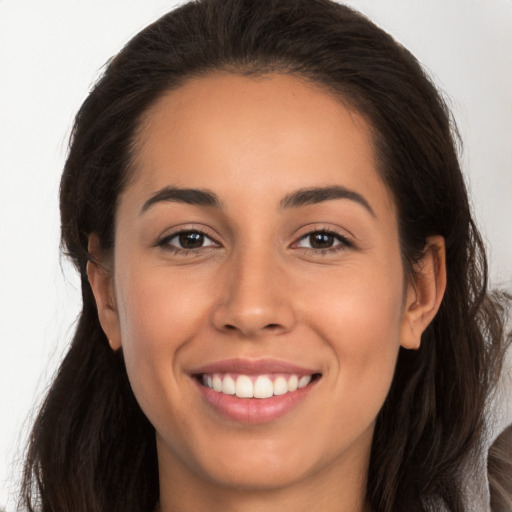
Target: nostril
(230, 327)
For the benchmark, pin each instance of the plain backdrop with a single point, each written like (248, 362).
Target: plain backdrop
(52, 51)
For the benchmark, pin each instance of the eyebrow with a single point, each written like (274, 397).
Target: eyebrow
(307, 196)
(301, 197)
(198, 197)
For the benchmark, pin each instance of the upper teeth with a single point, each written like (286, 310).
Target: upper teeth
(261, 386)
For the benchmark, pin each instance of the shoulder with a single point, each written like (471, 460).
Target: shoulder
(483, 476)
(500, 404)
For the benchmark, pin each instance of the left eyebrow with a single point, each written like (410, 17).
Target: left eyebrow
(198, 197)
(307, 196)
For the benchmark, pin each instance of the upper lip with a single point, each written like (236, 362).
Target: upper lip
(253, 367)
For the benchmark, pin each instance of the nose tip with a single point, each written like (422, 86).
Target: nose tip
(254, 302)
(253, 321)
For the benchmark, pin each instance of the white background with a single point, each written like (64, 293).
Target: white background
(50, 54)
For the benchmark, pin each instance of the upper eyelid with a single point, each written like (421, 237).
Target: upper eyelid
(311, 229)
(178, 233)
(165, 238)
(344, 244)
(189, 229)
(341, 238)
(321, 228)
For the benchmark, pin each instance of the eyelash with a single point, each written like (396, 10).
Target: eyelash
(164, 242)
(344, 242)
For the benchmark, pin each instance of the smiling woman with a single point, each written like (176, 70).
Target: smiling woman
(284, 292)
(309, 296)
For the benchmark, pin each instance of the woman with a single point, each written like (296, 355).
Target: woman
(284, 292)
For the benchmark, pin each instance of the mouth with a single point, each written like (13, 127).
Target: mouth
(254, 392)
(256, 386)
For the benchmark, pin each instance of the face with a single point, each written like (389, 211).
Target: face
(257, 252)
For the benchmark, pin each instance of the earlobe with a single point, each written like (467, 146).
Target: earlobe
(101, 282)
(425, 294)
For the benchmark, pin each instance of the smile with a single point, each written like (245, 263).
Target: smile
(255, 386)
(254, 391)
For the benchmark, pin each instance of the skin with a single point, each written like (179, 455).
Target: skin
(257, 289)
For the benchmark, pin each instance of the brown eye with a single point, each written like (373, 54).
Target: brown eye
(187, 240)
(191, 240)
(321, 240)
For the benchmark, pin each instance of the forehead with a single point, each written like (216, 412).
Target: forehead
(265, 134)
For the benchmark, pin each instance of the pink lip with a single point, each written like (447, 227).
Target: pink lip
(253, 367)
(253, 410)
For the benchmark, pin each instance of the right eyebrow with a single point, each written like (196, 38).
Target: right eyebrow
(192, 196)
(315, 195)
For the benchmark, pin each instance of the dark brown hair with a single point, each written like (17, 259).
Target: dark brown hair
(500, 471)
(92, 449)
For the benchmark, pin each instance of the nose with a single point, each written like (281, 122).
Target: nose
(254, 297)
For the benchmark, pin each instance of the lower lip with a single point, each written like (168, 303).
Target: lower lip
(254, 410)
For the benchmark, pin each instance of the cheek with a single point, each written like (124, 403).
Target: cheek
(359, 307)
(157, 307)
(158, 316)
(359, 317)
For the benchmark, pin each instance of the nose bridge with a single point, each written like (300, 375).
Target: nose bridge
(254, 299)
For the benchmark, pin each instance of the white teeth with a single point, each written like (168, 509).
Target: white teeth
(293, 383)
(244, 387)
(304, 381)
(228, 386)
(261, 387)
(217, 383)
(280, 386)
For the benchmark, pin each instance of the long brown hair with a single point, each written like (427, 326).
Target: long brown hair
(92, 449)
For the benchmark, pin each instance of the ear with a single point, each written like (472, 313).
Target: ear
(100, 276)
(425, 293)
